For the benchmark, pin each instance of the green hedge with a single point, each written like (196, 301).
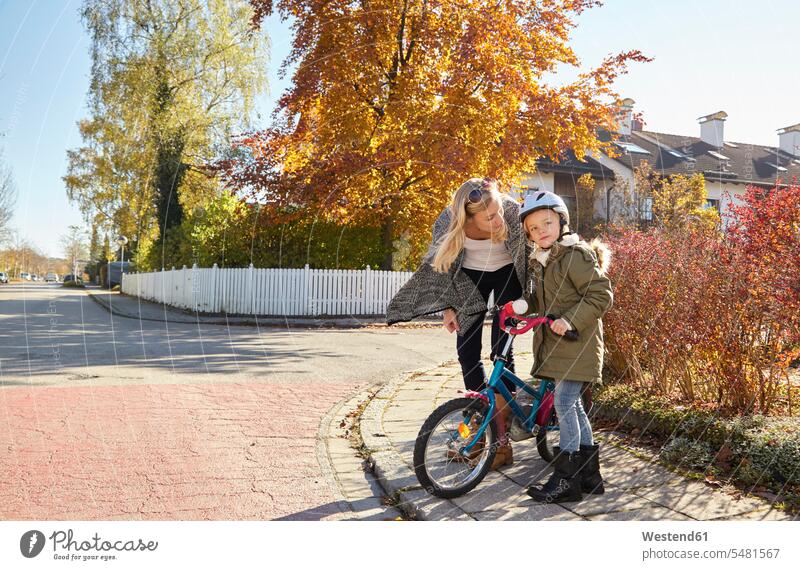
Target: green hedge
(748, 449)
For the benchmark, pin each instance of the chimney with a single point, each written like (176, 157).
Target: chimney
(712, 127)
(789, 140)
(625, 116)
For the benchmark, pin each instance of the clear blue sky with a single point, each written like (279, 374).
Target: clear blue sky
(735, 56)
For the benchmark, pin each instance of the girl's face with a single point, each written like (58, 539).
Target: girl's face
(542, 227)
(490, 220)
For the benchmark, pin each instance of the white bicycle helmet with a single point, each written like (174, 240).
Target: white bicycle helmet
(541, 200)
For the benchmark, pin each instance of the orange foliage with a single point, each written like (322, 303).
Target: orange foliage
(394, 102)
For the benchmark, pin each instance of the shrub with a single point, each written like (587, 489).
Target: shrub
(688, 452)
(711, 317)
(751, 450)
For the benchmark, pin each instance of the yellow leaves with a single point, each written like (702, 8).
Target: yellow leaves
(406, 99)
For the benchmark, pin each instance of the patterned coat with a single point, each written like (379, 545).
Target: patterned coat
(430, 292)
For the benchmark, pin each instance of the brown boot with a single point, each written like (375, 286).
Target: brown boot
(504, 455)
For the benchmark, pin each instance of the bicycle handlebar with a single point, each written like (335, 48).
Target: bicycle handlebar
(511, 313)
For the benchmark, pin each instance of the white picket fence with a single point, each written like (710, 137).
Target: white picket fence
(284, 292)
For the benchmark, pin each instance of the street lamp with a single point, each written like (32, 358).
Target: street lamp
(121, 240)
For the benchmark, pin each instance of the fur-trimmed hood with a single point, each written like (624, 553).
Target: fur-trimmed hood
(603, 254)
(600, 249)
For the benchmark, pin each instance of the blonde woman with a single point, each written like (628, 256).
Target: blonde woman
(478, 248)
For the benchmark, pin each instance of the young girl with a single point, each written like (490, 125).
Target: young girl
(567, 278)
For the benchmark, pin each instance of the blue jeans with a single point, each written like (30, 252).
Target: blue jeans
(573, 423)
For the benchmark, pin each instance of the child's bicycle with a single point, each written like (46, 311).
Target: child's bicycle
(456, 445)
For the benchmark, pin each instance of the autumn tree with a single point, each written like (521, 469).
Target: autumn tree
(73, 246)
(394, 102)
(170, 80)
(8, 197)
(673, 201)
(585, 197)
(20, 255)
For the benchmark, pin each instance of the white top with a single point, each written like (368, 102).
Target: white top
(485, 255)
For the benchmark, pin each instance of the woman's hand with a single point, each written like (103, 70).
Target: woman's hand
(450, 321)
(560, 326)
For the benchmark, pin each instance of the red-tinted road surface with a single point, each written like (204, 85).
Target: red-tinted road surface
(114, 418)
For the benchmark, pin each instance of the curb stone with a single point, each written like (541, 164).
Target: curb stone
(355, 488)
(393, 473)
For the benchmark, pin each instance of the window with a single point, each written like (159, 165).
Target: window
(712, 203)
(646, 209)
(718, 155)
(632, 148)
(571, 208)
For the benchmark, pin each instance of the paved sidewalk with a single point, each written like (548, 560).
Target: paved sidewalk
(136, 308)
(635, 489)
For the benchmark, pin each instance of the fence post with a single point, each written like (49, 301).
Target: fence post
(250, 287)
(162, 298)
(195, 286)
(367, 306)
(184, 302)
(214, 289)
(307, 309)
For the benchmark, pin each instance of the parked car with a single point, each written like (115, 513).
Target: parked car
(51, 278)
(115, 269)
(3, 277)
(25, 276)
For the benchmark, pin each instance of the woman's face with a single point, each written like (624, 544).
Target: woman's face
(543, 227)
(490, 220)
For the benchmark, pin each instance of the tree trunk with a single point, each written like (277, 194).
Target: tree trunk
(169, 174)
(388, 246)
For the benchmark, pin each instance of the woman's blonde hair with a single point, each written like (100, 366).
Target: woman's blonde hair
(462, 209)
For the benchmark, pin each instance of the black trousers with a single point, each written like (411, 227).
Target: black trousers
(506, 288)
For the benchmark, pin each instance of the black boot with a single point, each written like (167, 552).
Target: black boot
(591, 480)
(564, 484)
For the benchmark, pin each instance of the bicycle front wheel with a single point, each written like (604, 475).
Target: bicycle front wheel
(438, 466)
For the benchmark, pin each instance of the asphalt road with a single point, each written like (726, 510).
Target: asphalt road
(105, 417)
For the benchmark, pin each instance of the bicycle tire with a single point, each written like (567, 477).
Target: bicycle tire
(423, 439)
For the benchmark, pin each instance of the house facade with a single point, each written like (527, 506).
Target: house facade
(727, 167)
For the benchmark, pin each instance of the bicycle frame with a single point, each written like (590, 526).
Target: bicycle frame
(542, 397)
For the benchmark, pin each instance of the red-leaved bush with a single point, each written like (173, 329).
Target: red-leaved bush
(707, 316)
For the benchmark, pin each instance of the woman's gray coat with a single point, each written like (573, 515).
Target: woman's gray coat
(430, 292)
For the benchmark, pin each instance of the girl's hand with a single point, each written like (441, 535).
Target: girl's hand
(450, 321)
(560, 326)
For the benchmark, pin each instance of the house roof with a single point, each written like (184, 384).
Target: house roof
(742, 163)
(571, 165)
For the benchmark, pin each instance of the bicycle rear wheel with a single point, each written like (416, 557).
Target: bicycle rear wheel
(441, 471)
